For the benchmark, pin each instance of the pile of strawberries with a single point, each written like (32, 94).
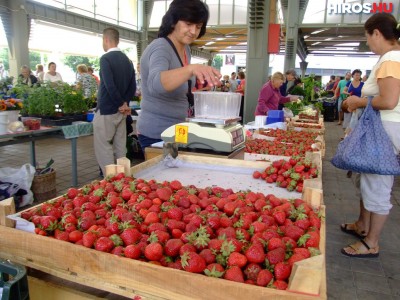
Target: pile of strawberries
(288, 174)
(289, 136)
(244, 236)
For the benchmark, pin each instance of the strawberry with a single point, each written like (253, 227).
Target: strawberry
(175, 213)
(172, 247)
(279, 216)
(237, 259)
(72, 193)
(153, 251)
(48, 223)
(255, 254)
(214, 270)
(264, 277)
(175, 185)
(86, 223)
(104, 244)
(132, 251)
(280, 284)
(130, 236)
(294, 232)
(61, 235)
(193, 262)
(75, 236)
(118, 251)
(234, 274)
(295, 258)
(164, 193)
(89, 238)
(282, 271)
(251, 271)
(310, 239)
(274, 243)
(151, 218)
(208, 256)
(302, 251)
(275, 256)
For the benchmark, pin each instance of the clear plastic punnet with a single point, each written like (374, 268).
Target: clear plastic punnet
(216, 105)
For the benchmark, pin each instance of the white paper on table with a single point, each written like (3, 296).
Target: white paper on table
(22, 224)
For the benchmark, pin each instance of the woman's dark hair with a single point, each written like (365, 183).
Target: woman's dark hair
(241, 75)
(50, 63)
(193, 11)
(356, 71)
(385, 23)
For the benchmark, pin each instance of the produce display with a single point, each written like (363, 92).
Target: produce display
(32, 123)
(289, 136)
(289, 174)
(309, 115)
(239, 236)
(308, 125)
(276, 147)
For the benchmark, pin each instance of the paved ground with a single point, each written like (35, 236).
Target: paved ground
(348, 278)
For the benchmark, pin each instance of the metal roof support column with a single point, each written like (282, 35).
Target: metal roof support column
(17, 35)
(260, 12)
(292, 28)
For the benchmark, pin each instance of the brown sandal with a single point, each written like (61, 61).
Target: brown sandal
(351, 228)
(359, 252)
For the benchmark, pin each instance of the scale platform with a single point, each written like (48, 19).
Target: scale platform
(219, 135)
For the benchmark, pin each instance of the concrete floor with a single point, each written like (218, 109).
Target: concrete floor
(347, 278)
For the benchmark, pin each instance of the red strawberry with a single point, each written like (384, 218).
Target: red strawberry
(255, 254)
(72, 193)
(295, 258)
(214, 270)
(251, 271)
(88, 239)
(294, 232)
(175, 185)
(61, 235)
(172, 247)
(302, 251)
(175, 213)
(280, 284)
(275, 256)
(151, 218)
(130, 236)
(279, 216)
(48, 223)
(153, 251)
(282, 271)
(234, 274)
(237, 259)
(132, 251)
(315, 221)
(264, 277)
(193, 262)
(164, 193)
(118, 251)
(302, 223)
(104, 244)
(310, 239)
(75, 236)
(274, 243)
(208, 256)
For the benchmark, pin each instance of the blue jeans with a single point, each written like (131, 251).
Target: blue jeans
(145, 141)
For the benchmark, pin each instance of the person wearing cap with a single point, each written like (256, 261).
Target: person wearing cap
(290, 76)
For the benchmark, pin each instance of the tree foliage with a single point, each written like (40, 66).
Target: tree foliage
(73, 61)
(217, 62)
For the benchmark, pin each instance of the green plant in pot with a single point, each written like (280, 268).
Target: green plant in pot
(41, 101)
(72, 100)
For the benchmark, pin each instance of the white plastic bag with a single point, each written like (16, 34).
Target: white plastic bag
(287, 113)
(17, 183)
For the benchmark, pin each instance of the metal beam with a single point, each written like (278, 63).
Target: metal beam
(63, 17)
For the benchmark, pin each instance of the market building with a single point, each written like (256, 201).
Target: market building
(230, 150)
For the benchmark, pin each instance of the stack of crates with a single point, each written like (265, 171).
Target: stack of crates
(13, 281)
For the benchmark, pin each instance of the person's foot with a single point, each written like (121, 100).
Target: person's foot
(353, 229)
(361, 249)
(339, 123)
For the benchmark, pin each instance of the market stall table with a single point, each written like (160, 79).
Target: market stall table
(32, 136)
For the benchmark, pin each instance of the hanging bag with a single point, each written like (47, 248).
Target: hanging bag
(368, 148)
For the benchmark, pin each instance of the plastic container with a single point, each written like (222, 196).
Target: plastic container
(216, 105)
(32, 123)
(13, 281)
(275, 116)
(89, 117)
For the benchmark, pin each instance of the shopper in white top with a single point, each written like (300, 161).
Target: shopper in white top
(382, 32)
(52, 75)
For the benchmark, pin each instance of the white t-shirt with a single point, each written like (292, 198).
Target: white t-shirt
(387, 66)
(51, 78)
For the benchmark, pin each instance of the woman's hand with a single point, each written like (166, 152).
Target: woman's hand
(354, 102)
(208, 73)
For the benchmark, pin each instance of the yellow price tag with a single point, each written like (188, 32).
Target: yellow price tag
(181, 134)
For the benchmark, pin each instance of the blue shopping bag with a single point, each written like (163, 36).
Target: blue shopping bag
(368, 148)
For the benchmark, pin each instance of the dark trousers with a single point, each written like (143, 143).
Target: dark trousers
(145, 141)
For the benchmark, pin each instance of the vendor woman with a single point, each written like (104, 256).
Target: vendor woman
(270, 97)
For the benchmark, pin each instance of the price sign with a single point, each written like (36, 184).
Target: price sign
(181, 134)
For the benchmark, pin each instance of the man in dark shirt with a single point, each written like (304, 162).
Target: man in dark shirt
(117, 88)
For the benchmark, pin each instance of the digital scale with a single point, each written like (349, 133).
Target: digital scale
(219, 135)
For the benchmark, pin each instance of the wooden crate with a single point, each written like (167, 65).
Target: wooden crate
(130, 278)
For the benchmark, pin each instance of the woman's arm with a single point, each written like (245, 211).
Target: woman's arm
(388, 98)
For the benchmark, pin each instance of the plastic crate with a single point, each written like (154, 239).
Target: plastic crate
(13, 281)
